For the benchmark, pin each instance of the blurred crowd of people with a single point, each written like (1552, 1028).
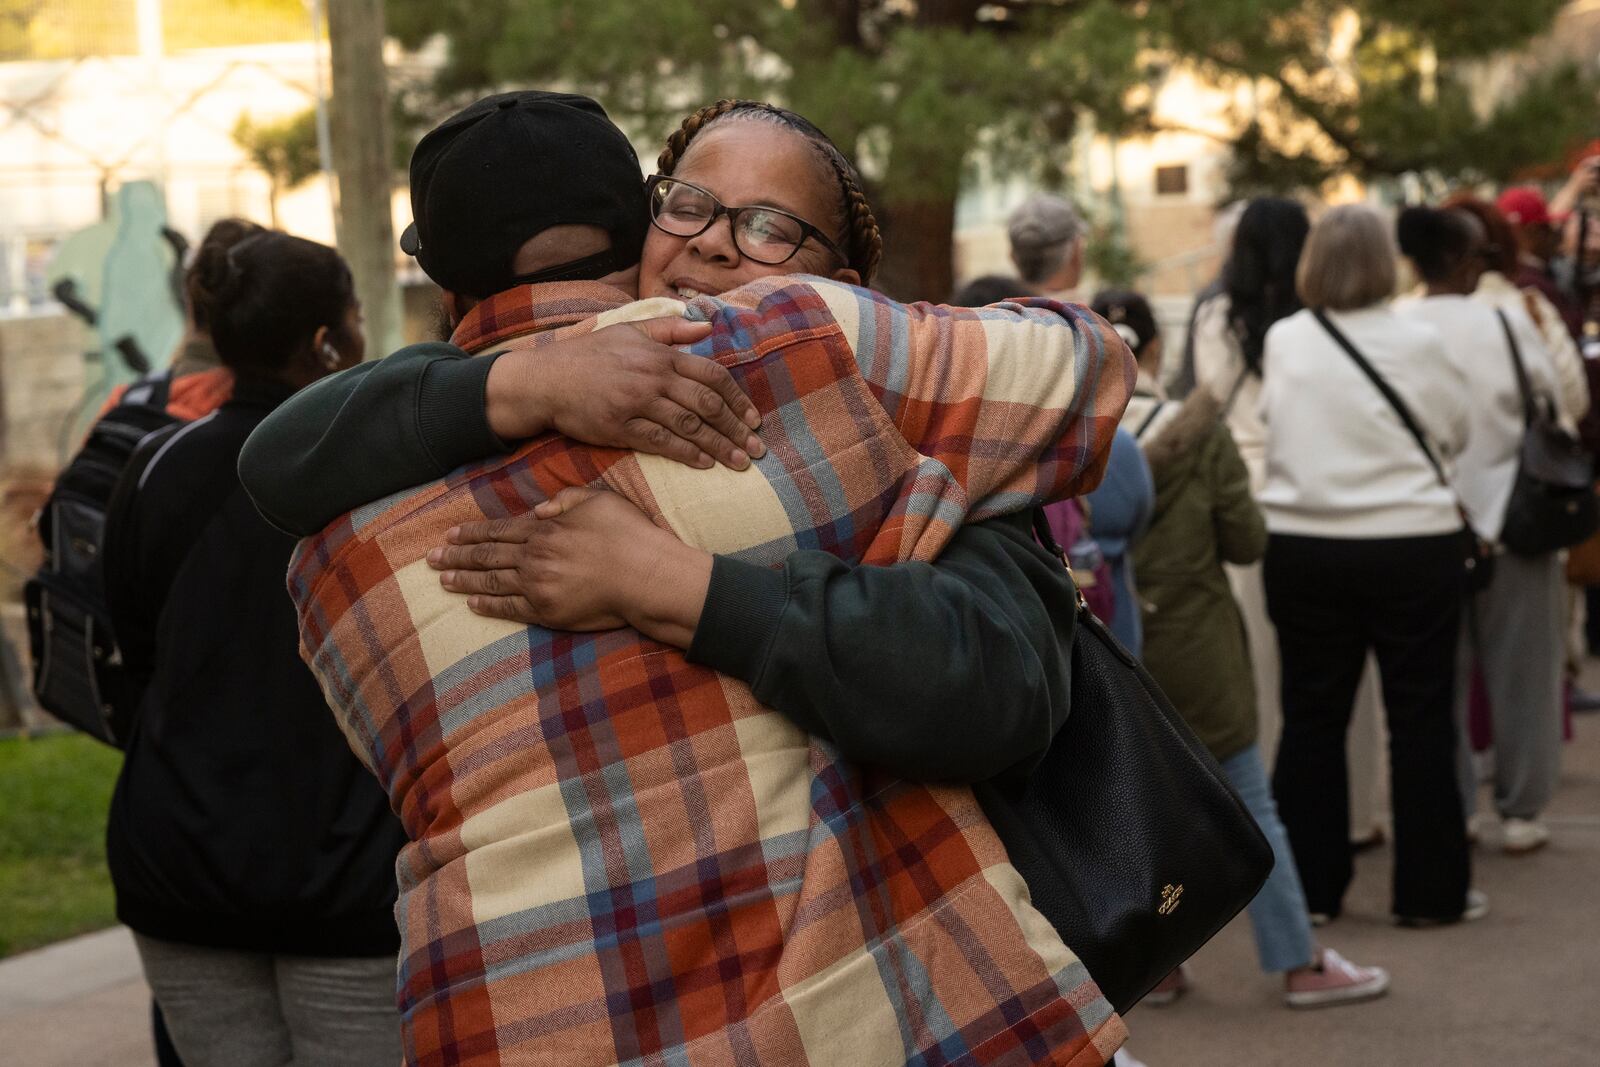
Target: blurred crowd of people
(1281, 539)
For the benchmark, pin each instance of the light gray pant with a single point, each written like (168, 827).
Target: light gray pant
(226, 1008)
(1521, 649)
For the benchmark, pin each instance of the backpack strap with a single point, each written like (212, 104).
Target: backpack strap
(1388, 392)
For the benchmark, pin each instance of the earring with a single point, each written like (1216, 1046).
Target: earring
(330, 356)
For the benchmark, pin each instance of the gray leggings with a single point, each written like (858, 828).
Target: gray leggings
(1521, 648)
(226, 1008)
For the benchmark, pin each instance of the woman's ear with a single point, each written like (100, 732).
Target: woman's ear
(324, 354)
(847, 276)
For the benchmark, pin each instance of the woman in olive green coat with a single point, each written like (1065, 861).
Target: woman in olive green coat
(1195, 647)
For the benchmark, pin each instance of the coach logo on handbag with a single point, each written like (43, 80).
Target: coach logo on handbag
(1170, 895)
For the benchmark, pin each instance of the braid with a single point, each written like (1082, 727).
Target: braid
(864, 244)
(678, 143)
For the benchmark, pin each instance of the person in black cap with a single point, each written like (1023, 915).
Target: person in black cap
(535, 187)
(484, 182)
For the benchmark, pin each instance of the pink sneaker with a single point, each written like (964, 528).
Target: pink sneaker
(1168, 989)
(1333, 980)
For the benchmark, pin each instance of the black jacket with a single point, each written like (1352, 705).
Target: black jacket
(241, 819)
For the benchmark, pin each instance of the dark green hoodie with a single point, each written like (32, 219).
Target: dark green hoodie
(1194, 640)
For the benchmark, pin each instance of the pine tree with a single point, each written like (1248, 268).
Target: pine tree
(919, 90)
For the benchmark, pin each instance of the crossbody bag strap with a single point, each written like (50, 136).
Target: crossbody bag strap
(1388, 392)
(1138, 435)
(1523, 385)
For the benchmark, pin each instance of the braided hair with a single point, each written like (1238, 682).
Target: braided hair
(863, 244)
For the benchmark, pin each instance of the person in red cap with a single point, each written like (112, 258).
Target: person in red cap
(1538, 241)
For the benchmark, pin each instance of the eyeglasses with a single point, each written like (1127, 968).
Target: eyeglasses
(762, 234)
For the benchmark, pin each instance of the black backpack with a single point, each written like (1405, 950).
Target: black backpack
(77, 672)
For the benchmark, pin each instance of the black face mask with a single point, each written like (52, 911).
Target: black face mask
(587, 269)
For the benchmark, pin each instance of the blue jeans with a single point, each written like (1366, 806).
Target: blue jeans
(1278, 913)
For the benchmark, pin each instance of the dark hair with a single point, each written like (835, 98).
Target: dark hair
(863, 244)
(990, 289)
(267, 295)
(1436, 240)
(1501, 251)
(1259, 275)
(1128, 309)
(223, 235)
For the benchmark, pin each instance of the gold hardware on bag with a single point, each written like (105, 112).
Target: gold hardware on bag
(1170, 895)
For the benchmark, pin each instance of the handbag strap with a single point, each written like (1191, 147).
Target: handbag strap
(1046, 536)
(1523, 385)
(1138, 435)
(1388, 392)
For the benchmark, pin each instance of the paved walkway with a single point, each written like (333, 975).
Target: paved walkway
(1520, 987)
(76, 1003)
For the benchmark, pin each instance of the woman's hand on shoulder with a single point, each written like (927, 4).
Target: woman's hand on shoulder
(625, 386)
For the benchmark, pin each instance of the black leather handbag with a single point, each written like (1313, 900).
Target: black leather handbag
(1552, 505)
(1132, 842)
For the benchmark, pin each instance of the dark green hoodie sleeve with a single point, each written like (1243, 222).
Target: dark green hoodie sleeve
(375, 429)
(956, 671)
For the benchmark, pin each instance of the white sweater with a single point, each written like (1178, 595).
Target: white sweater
(1339, 462)
(1487, 469)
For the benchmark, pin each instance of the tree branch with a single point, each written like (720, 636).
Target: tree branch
(1309, 108)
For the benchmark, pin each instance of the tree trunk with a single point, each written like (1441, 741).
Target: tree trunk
(362, 143)
(918, 248)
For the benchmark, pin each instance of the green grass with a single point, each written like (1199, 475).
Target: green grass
(54, 793)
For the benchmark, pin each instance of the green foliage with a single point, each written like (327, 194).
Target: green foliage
(286, 150)
(923, 89)
(914, 91)
(1400, 102)
(53, 879)
(1110, 258)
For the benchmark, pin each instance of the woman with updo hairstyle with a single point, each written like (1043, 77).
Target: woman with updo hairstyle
(1513, 630)
(251, 854)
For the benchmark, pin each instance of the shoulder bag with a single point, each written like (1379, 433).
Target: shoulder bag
(1477, 555)
(1132, 842)
(1553, 505)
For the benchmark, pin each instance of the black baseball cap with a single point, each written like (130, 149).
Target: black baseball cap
(510, 166)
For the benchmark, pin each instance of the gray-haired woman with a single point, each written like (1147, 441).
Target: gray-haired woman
(1364, 554)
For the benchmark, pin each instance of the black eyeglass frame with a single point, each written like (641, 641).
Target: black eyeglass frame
(720, 209)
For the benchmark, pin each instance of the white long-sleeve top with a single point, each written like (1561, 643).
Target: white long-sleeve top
(1487, 468)
(1339, 462)
(1496, 290)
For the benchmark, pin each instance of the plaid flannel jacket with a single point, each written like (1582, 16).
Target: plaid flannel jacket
(619, 857)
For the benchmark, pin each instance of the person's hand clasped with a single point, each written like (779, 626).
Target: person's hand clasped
(626, 387)
(585, 560)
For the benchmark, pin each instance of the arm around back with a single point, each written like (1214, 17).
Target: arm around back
(362, 434)
(952, 671)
